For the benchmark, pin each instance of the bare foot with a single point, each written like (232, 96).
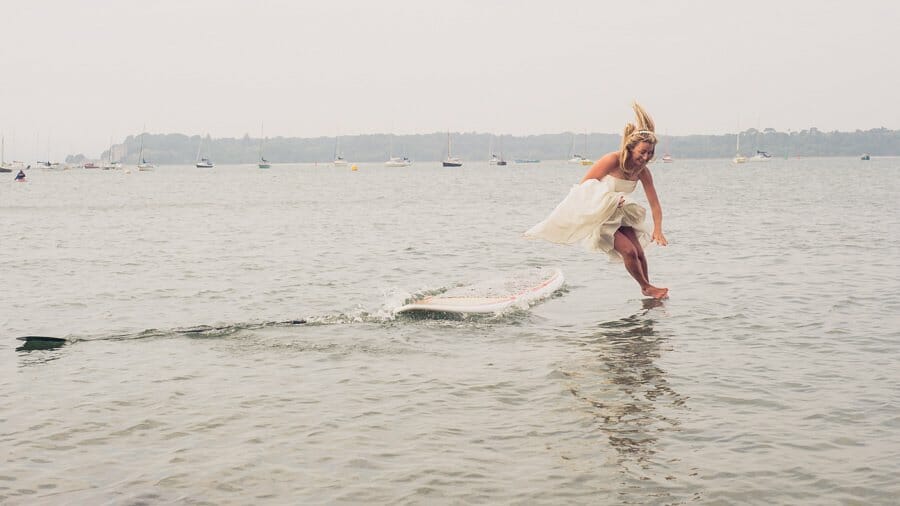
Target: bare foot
(656, 293)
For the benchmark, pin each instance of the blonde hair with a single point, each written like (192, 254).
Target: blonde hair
(634, 135)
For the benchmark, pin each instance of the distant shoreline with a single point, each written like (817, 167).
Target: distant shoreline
(483, 163)
(180, 149)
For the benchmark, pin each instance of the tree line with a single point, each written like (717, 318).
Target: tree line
(166, 149)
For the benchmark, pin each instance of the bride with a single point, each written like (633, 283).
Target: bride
(597, 214)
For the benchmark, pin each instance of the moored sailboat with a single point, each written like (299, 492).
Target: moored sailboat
(339, 160)
(204, 162)
(738, 157)
(263, 163)
(667, 158)
(109, 164)
(143, 164)
(585, 160)
(451, 161)
(760, 156)
(396, 161)
(3, 166)
(577, 158)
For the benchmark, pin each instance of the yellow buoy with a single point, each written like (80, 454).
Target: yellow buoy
(354, 167)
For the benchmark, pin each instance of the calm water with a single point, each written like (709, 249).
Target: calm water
(769, 377)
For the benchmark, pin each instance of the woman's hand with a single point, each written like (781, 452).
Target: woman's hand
(659, 238)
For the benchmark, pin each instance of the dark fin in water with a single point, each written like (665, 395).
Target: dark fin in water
(45, 339)
(40, 343)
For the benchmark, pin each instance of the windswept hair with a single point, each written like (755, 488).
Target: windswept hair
(633, 135)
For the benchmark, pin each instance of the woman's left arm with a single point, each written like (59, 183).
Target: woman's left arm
(652, 199)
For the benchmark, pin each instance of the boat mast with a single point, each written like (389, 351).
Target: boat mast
(261, 133)
(141, 152)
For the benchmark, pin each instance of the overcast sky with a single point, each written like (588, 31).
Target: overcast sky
(77, 73)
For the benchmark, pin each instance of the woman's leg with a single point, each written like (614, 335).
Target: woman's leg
(626, 243)
(632, 236)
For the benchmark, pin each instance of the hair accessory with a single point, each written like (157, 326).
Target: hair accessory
(645, 132)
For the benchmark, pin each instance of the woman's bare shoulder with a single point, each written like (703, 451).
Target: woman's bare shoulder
(612, 156)
(607, 162)
(602, 166)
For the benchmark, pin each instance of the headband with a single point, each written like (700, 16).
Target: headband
(645, 132)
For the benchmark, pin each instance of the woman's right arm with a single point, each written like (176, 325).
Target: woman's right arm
(602, 167)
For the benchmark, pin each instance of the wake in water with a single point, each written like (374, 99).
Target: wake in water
(508, 287)
(31, 343)
(382, 315)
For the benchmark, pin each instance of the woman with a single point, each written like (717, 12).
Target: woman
(597, 214)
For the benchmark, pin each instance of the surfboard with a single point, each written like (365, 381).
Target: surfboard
(492, 296)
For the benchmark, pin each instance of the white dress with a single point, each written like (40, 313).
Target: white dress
(590, 215)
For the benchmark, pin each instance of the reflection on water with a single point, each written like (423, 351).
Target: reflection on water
(626, 392)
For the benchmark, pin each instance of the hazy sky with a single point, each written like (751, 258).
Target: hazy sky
(76, 73)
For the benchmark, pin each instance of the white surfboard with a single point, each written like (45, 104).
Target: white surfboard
(492, 296)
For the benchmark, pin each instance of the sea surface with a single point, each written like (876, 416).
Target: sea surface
(231, 339)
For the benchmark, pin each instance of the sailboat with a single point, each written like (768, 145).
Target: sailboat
(263, 163)
(47, 164)
(109, 164)
(760, 156)
(142, 163)
(585, 160)
(493, 158)
(738, 157)
(576, 158)
(396, 161)
(205, 162)
(15, 164)
(451, 161)
(338, 155)
(3, 166)
(667, 158)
